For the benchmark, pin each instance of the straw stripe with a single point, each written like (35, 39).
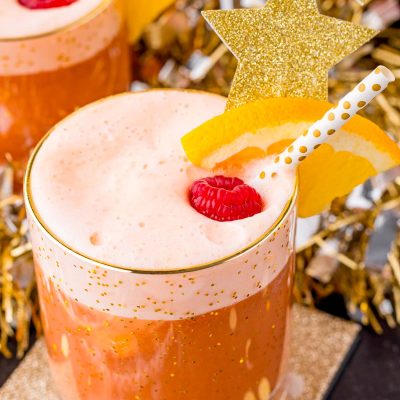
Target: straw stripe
(334, 119)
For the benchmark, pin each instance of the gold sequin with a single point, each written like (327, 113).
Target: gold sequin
(303, 149)
(331, 116)
(346, 105)
(361, 87)
(331, 131)
(262, 175)
(345, 116)
(361, 104)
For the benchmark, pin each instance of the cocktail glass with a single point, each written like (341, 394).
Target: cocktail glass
(219, 330)
(43, 78)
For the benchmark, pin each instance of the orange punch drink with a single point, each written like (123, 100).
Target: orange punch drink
(142, 296)
(53, 60)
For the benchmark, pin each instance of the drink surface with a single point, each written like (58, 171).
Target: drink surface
(17, 21)
(111, 182)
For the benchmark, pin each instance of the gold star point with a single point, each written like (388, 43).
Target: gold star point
(284, 49)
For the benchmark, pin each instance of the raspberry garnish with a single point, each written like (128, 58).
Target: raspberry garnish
(40, 4)
(224, 199)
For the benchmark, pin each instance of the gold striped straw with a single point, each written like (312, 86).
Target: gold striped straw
(334, 119)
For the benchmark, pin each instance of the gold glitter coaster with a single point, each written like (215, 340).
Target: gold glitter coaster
(320, 343)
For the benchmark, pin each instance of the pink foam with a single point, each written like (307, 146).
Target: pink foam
(112, 180)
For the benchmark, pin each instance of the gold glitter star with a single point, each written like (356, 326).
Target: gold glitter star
(284, 49)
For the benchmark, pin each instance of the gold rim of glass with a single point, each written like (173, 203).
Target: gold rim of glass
(73, 25)
(29, 203)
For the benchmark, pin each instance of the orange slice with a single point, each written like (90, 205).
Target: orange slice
(140, 13)
(355, 153)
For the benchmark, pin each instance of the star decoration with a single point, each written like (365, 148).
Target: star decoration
(284, 49)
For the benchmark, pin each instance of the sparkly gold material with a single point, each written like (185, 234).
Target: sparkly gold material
(18, 297)
(368, 293)
(315, 366)
(284, 49)
(318, 365)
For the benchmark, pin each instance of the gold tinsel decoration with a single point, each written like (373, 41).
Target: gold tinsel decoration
(19, 305)
(178, 49)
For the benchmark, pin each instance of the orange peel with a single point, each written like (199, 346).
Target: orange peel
(358, 151)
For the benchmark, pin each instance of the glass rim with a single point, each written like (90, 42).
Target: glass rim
(29, 204)
(103, 4)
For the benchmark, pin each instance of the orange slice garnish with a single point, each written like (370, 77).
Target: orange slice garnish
(358, 151)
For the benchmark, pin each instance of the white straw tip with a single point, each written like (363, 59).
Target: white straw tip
(387, 72)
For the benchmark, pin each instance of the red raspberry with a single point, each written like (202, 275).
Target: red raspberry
(40, 4)
(224, 199)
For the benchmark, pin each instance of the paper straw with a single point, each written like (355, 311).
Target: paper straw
(334, 119)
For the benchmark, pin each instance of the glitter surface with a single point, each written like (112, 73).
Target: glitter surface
(284, 49)
(313, 367)
(320, 344)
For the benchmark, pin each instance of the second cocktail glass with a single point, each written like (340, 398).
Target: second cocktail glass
(44, 77)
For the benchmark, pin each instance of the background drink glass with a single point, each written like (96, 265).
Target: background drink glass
(218, 330)
(43, 78)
